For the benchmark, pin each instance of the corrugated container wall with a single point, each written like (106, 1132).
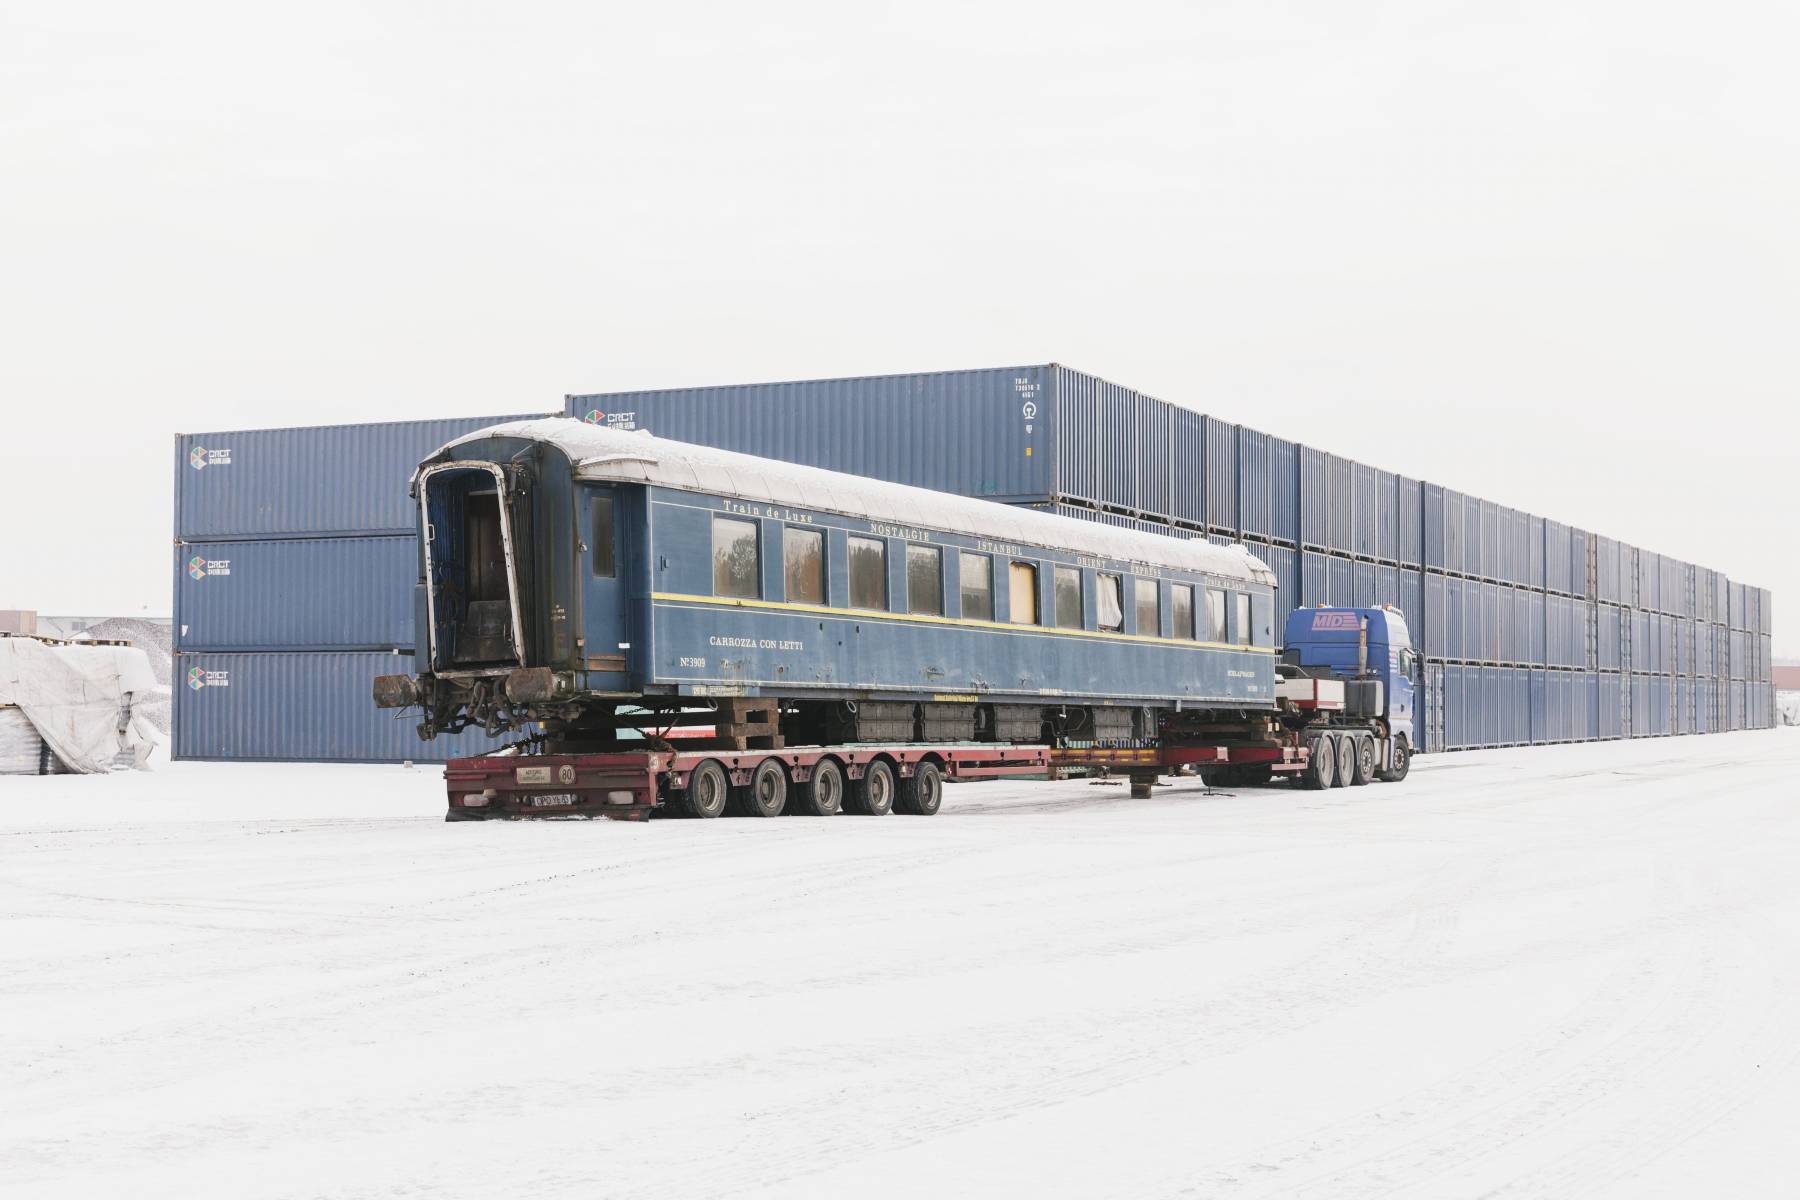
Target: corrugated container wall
(299, 708)
(346, 593)
(327, 480)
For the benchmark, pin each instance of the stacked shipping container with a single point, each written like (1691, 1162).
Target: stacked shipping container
(295, 560)
(1534, 631)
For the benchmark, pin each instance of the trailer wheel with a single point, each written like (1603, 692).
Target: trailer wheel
(707, 791)
(923, 794)
(1401, 765)
(1321, 765)
(873, 794)
(1364, 768)
(767, 794)
(1346, 760)
(823, 794)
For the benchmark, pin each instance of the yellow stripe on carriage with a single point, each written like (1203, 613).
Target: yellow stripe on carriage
(867, 614)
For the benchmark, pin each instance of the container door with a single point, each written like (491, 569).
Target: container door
(1431, 731)
(604, 617)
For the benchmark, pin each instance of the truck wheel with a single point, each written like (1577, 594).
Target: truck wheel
(767, 794)
(873, 794)
(1346, 760)
(1401, 765)
(923, 794)
(1321, 765)
(823, 794)
(1364, 768)
(707, 791)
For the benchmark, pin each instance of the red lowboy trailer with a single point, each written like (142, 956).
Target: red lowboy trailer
(630, 785)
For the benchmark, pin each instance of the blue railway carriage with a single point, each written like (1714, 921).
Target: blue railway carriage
(583, 585)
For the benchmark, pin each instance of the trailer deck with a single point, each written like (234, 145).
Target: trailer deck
(631, 785)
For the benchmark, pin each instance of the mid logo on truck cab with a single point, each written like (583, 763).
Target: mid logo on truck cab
(1335, 622)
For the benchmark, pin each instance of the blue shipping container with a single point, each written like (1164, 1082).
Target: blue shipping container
(1315, 580)
(1433, 525)
(1255, 503)
(346, 593)
(1315, 498)
(1284, 490)
(1410, 521)
(326, 480)
(299, 708)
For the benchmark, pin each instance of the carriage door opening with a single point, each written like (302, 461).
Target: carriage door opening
(469, 561)
(487, 621)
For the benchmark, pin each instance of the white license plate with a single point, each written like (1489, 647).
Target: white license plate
(554, 800)
(532, 774)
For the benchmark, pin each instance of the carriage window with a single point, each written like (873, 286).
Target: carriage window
(1023, 605)
(737, 567)
(1181, 611)
(1068, 598)
(868, 573)
(1242, 602)
(600, 536)
(1110, 602)
(803, 556)
(977, 587)
(925, 580)
(1215, 615)
(1149, 612)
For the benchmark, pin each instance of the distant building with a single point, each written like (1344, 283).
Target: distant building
(1787, 678)
(18, 620)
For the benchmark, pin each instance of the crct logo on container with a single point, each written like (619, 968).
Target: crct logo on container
(618, 420)
(197, 567)
(200, 458)
(200, 677)
(200, 568)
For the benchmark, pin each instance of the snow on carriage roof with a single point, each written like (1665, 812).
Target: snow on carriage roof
(637, 456)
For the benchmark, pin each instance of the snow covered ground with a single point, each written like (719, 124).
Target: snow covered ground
(1558, 972)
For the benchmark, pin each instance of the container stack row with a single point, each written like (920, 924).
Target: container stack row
(295, 563)
(1534, 631)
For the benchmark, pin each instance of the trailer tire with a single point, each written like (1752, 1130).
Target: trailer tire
(873, 794)
(766, 794)
(1320, 773)
(707, 792)
(1346, 760)
(823, 794)
(923, 794)
(1364, 767)
(1402, 763)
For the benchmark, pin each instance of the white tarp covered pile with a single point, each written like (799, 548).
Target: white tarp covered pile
(80, 699)
(1787, 708)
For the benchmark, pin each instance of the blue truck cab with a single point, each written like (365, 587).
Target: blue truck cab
(1362, 647)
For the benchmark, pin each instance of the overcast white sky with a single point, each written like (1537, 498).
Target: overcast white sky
(1545, 253)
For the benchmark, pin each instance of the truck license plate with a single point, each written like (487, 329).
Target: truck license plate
(553, 800)
(532, 774)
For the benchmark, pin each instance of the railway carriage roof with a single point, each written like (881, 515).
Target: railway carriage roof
(604, 455)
